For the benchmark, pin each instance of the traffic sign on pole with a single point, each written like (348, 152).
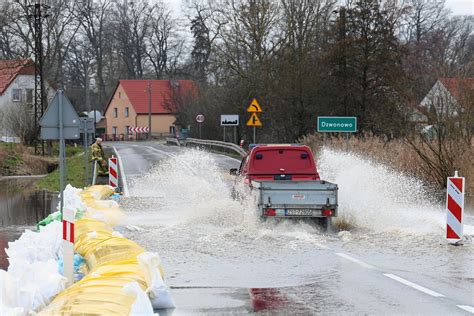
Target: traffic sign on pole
(254, 120)
(200, 118)
(455, 208)
(50, 122)
(254, 107)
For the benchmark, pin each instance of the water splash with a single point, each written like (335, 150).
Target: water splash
(379, 198)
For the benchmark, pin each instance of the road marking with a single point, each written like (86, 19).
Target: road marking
(361, 263)
(467, 308)
(413, 285)
(126, 193)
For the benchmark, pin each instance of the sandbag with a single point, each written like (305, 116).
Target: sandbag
(158, 292)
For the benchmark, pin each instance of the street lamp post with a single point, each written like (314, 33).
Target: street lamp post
(37, 10)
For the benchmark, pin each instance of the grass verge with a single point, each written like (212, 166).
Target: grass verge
(75, 170)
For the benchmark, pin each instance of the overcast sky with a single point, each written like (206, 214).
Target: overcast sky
(458, 7)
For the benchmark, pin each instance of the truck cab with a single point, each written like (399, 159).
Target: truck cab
(289, 162)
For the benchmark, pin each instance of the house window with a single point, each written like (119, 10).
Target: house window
(126, 111)
(114, 130)
(126, 130)
(115, 112)
(29, 96)
(16, 97)
(120, 95)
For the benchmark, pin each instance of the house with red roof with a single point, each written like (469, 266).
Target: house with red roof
(17, 89)
(131, 100)
(447, 99)
(17, 82)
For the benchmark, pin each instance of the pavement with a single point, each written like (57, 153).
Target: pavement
(220, 259)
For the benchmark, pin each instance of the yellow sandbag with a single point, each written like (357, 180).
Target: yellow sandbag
(106, 211)
(99, 192)
(111, 250)
(102, 287)
(86, 225)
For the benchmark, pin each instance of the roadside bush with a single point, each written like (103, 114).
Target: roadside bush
(400, 155)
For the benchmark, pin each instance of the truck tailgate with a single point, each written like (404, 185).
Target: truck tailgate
(297, 198)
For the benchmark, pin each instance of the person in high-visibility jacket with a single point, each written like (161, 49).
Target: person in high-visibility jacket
(99, 156)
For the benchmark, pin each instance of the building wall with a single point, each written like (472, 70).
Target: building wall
(160, 123)
(22, 82)
(120, 101)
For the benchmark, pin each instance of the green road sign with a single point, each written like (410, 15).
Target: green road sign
(337, 124)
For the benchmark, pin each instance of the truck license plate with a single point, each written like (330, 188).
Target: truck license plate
(299, 212)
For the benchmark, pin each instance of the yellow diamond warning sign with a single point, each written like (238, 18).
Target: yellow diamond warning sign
(254, 120)
(254, 107)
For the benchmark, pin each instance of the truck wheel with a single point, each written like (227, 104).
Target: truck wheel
(325, 223)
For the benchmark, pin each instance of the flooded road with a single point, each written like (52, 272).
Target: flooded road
(21, 207)
(220, 258)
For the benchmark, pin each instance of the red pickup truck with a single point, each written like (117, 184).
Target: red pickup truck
(288, 183)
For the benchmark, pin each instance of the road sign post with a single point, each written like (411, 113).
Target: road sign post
(337, 124)
(455, 209)
(87, 127)
(113, 172)
(230, 120)
(61, 122)
(200, 119)
(254, 120)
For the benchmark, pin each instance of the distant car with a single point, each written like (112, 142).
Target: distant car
(288, 183)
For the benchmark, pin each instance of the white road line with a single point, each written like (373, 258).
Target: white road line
(126, 193)
(361, 263)
(467, 308)
(413, 285)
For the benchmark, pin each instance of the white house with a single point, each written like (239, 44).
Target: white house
(17, 85)
(445, 99)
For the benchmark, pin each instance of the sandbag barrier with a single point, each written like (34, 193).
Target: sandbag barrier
(120, 277)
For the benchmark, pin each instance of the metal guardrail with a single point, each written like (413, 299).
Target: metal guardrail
(174, 141)
(216, 143)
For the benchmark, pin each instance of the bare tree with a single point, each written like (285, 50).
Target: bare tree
(18, 120)
(165, 47)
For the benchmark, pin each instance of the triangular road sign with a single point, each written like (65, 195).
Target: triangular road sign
(254, 120)
(50, 121)
(254, 107)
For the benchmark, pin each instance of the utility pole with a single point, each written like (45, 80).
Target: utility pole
(37, 10)
(149, 110)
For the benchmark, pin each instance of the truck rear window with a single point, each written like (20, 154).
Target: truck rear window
(282, 161)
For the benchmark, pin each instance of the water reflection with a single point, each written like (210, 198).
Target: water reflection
(21, 206)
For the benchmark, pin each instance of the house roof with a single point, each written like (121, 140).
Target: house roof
(10, 69)
(456, 86)
(164, 94)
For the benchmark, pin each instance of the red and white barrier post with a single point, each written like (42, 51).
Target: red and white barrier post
(455, 208)
(68, 245)
(113, 172)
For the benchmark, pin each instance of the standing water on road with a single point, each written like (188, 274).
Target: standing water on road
(183, 210)
(21, 207)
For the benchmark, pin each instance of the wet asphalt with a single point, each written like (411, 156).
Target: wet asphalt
(223, 265)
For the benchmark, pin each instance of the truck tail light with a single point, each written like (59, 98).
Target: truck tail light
(270, 212)
(327, 212)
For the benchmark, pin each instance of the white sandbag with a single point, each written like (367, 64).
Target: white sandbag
(72, 199)
(9, 296)
(37, 246)
(40, 281)
(159, 293)
(142, 305)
